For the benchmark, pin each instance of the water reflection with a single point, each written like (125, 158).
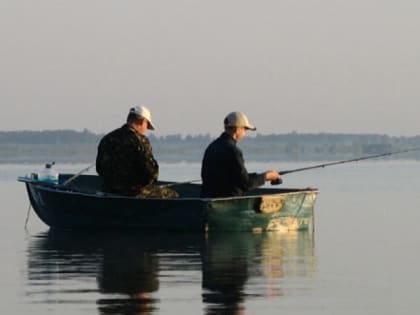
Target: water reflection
(130, 271)
(247, 266)
(125, 267)
(226, 263)
(123, 273)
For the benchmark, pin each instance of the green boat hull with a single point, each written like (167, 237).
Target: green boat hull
(286, 211)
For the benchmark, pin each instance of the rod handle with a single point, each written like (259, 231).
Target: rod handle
(277, 181)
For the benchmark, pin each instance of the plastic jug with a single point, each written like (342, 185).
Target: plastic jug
(49, 174)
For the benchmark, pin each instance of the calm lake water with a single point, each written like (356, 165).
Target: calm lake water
(363, 258)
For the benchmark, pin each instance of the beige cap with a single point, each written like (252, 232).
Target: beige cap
(143, 112)
(238, 119)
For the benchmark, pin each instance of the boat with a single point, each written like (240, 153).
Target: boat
(81, 205)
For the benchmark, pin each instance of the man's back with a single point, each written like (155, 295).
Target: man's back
(223, 171)
(125, 161)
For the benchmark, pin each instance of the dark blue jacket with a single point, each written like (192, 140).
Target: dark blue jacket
(223, 170)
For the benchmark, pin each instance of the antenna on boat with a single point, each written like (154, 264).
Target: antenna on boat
(27, 216)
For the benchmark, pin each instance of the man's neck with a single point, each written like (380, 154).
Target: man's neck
(232, 134)
(135, 128)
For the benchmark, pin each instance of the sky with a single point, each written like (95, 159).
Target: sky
(308, 66)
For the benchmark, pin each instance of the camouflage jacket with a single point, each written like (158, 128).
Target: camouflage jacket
(125, 161)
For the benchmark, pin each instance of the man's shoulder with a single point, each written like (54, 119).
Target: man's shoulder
(122, 131)
(227, 141)
(144, 142)
(118, 135)
(222, 145)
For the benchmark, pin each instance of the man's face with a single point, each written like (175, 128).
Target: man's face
(142, 127)
(240, 133)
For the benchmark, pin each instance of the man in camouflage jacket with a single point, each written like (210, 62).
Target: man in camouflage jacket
(125, 160)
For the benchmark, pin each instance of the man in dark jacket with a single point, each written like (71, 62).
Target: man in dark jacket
(125, 160)
(223, 169)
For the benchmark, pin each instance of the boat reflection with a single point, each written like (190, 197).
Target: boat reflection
(125, 266)
(125, 273)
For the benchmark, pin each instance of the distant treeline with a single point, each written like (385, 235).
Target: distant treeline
(80, 146)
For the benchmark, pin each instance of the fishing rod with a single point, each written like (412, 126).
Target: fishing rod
(347, 161)
(181, 183)
(78, 174)
(279, 181)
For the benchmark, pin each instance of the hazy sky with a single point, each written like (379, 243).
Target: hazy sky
(306, 66)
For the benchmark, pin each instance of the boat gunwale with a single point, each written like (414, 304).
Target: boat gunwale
(69, 190)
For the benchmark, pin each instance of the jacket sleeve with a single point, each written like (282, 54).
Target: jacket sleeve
(255, 180)
(148, 166)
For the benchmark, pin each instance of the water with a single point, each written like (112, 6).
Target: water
(362, 259)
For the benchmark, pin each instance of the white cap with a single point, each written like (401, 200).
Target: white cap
(143, 112)
(238, 119)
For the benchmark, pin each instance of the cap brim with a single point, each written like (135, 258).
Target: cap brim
(150, 126)
(253, 128)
